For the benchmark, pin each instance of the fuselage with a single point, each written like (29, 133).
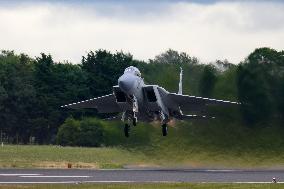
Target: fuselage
(139, 100)
(131, 84)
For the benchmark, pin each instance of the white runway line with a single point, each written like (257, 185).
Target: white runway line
(192, 170)
(127, 181)
(99, 181)
(222, 170)
(53, 176)
(23, 174)
(241, 182)
(123, 181)
(65, 182)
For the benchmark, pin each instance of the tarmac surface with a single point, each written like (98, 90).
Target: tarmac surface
(33, 176)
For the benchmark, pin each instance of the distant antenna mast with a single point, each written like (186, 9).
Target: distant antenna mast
(180, 81)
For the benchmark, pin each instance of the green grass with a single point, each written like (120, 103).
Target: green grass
(191, 145)
(54, 156)
(148, 186)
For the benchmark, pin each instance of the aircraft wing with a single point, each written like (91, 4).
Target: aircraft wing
(104, 104)
(186, 102)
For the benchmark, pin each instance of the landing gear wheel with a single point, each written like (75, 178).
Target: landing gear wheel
(134, 121)
(165, 129)
(126, 130)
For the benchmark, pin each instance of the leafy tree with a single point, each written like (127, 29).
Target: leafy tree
(207, 81)
(39, 129)
(281, 97)
(260, 84)
(3, 96)
(46, 101)
(104, 68)
(91, 133)
(17, 94)
(226, 85)
(68, 132)
(223, 65)
(56, 84)
(254, 89)
(174, 57)
(87, 132)
(266, 55)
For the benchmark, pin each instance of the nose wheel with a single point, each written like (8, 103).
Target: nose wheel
(165, 129)
(126, 130)
(128, 119)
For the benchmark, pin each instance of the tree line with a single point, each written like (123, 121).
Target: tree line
(33, 89)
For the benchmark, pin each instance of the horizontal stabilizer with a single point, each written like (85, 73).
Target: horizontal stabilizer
(186, 102)
(190, 117)
(114, 118)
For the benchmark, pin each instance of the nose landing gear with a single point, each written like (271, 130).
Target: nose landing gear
(127, 119)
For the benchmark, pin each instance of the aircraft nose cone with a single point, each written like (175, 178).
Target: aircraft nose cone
(126, 83)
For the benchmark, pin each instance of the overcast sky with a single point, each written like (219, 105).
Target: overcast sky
(206, 29)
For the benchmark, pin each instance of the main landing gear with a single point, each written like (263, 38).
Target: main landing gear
(134, 121)
(165, 129)
(127, 124)
(164, 120)
(126, 130)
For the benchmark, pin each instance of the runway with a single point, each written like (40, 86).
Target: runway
(29, 176)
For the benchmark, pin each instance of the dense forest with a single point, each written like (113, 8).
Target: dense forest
(33, 89)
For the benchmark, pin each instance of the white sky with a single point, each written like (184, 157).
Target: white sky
(209, 31)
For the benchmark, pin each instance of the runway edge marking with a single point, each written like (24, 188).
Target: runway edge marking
(18, 174)
(82, 182)
(54, 176)
(240, 182)
(117, 181)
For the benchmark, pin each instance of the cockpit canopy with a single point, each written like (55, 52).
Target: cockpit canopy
(134, 70)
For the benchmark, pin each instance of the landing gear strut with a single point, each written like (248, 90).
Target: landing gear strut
(134, 111)
(126, 130)
(165, 129)
(134, 121)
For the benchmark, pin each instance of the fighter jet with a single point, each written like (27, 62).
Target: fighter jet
(138, 101)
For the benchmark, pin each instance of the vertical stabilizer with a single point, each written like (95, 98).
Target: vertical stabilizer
(180, 82)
